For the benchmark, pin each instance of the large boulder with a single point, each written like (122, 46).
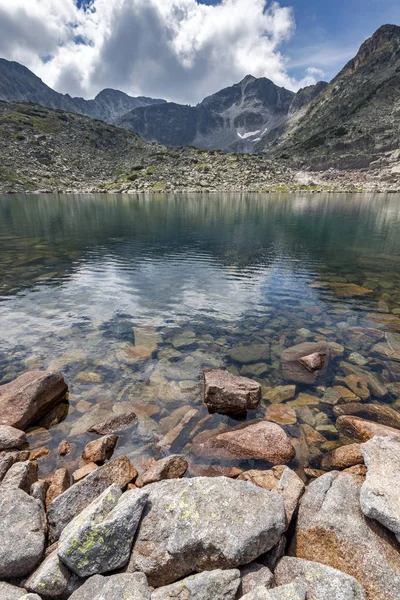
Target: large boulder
(170, 467)
(125, 586)
(215, 585)
(380, 499)
(323, 583)
(203, 524)
(30, 396)
(332, 527)
(11, 437)
(227, 393)
(52, 579)
(306, 362)
(362, 430)
(100, 538)
(22, 533)
(259, 440)
(69, 504)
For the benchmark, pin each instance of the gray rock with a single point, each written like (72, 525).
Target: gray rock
(22, 533)
(52, 579)
(39, 490)
(323, 583)
(69, 504)
(100, 538)
(204, 523)
(20, 475)
(10, 592)
(5, 464)
(30, 597)
(26, 399)
(253, 576)
(11, 437)
(273, 556)
(227, 393)
(379, 495)
(215, 585)
(292, 591)
(254, 353)
(171, 467)
(332, 527)
(126, 586)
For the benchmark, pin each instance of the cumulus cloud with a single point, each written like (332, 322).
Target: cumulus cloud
(176, 49)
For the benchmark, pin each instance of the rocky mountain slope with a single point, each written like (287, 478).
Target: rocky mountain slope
(19, 84)
(355, 120)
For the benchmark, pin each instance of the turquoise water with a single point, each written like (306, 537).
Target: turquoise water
(132, 296)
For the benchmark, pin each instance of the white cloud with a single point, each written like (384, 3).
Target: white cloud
(176, 49)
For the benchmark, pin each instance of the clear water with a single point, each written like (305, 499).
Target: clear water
(130, 297)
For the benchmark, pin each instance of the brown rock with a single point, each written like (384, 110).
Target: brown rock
(332, 529)
(254, 576)
(281, 414)
(381, 413)
(55, 416)
(226, 393)
(169, 438)
(362, 430)
(304, 400)
(30, 396)
(171, 467)
(20, 476)
(114, 424)
(347, 290)
(387, 350)
(39, 453)
(346, 395)
(358, 470)
(60, 482)
(343, 457)
(306, 362)
(100, 450)
(312, 435)
(83, 472)
(258, 440)
(64, 448)
(359, 385)
(279, 394)
(199, 470)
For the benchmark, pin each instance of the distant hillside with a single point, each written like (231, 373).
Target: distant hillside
(19, 84)
(355, 119)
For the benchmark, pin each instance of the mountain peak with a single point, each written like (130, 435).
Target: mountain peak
(248, 79)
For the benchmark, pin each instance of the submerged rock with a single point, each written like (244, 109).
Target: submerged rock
(381, 413)
(306, 362)
(250, 354)
(22, 533)
(362, 430)
(100, 538)
(379, 496)
(332, 527)
(114, 424)
(343, 457)
(202, 524)
(259, 440)
(218, 585)
(69, 504)
(281, 393)
(323, 583)
(227, 393)
(30, 396)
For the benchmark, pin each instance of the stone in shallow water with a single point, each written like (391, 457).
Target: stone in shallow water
(347, 290)
(280, 393)
(171, 467)
(323, 583)
(256, 353)
(259, 440)
(218, 585)
(204, 523)
(363, 430)
(379, 496)
(30, 396)
(114, 424)
(281, 414)
(358, 385)
(100, 538)
(332, 527)
(343, 457)
(100, 450)
(383, 414)
(22, 533)
(306, 362)
(227, 393)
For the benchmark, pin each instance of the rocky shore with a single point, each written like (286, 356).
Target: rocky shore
(52, 151)
(106, 531)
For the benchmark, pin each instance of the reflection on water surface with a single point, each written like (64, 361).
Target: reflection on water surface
(132, 296)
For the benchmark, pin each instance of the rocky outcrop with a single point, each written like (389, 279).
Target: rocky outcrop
(379, 495)
(259, 440)
(218, 585)
(332, 527)
(226, 393)
(22, 533)
(76, 498)
(202, 524)
(30, 396)
(323, 583)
